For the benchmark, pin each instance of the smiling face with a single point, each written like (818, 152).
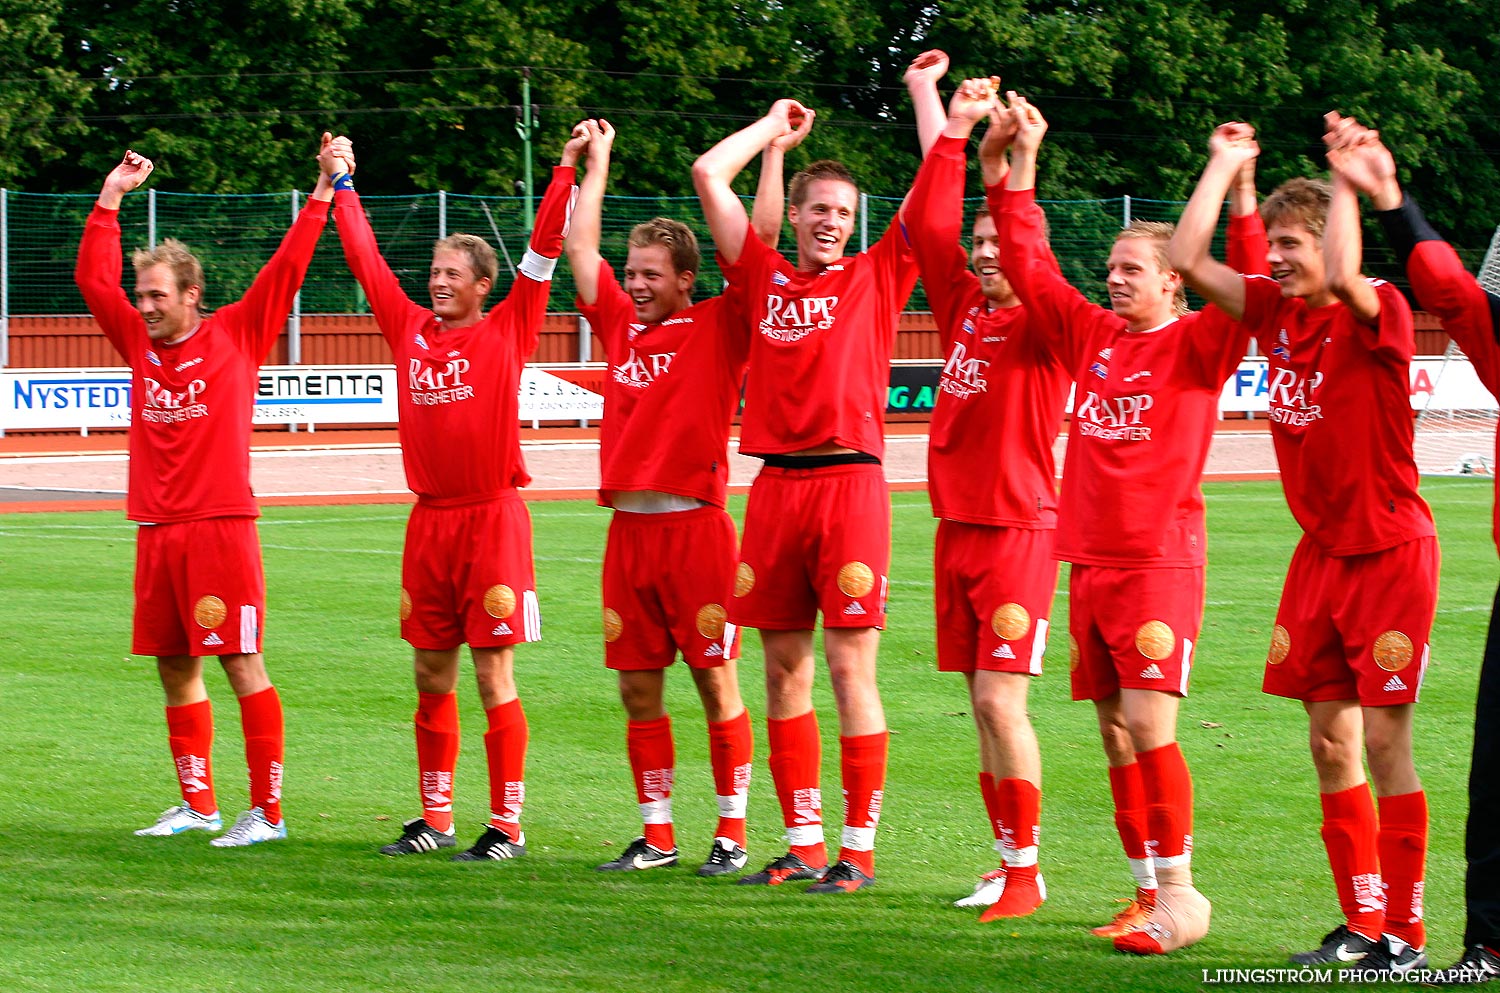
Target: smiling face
(1142, 289)
(654, 284)
(823, 222)
(1295, 258)
(984, 256)
(169, 312)
(457, 293)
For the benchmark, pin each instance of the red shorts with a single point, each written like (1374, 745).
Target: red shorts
(199, 588)
(666, 580)
(994, 588)
(1132, 629)
(815, 539)
(467, 576)
(1355, 626)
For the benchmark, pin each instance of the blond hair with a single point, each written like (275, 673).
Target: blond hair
(676, 237)
(1298, 201)
(821, 169)
(186, 270)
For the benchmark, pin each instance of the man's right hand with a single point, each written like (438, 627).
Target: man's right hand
(128, 175)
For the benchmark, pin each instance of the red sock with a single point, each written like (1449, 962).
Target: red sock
(265, 745)
(991, 805)
(505, 751)
(190, 735)
(1169, 805)
(796, 762)
(863, 765)
(1021, 806)
(730, 748)
(652, 758)
(1349, 834)
(1129, 791)
(1403, 856)
(437, 755)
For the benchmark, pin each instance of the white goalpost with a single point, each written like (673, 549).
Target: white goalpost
(1459, 442)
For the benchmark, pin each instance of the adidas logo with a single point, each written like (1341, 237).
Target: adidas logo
(214, 639)
(1394, 685)
(502, 628)
(1003, 652)
(1152, 671)
(715, 651)
(854, 610)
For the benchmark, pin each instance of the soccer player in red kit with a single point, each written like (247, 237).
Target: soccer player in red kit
(673, 385)
(817, 528)
(1131, 520)
(199, 588)
(1351, 635)
(466, 570)
(1471, 315)
(991, 478)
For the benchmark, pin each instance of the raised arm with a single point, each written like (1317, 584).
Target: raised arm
(770, 191)
(1229, 148)
(922, 78)
(526, 303)
(714, 172)
(582, 242)
(998, 135)
(268, 301)
(100, 258)
(1343, 242)
(1028, 130)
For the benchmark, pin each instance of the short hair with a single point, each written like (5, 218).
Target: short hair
(184, 265)
(821, 169)
(983, 212)
(481, 255)
(1159, 233)
(676, 237)
(1298, 201)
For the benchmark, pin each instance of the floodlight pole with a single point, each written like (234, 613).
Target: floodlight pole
(525, 124)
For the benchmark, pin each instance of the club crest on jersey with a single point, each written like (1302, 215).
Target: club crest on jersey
(419, 341)
(969, 323)
(152, 358)
(777, 279)
(1100, 366)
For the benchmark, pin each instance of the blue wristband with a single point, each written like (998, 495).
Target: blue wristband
(343, 181)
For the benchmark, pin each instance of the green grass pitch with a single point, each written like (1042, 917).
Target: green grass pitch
(90, 907)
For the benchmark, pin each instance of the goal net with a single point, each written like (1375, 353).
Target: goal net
(1457, 438)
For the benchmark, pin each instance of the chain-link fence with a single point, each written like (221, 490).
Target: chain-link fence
(234, 235)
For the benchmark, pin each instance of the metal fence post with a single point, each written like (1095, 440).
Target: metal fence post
(4, 277)
(294, 319)
(442, 213)
(864, 221)
(1126, 210)
(151, 217)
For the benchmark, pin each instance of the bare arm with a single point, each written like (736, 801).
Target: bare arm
(1343, 249)
(922, 78)
(1230, 147)
(770, 191)
(716, 168)
(1029, 128)
(998, 136)
(582, 242)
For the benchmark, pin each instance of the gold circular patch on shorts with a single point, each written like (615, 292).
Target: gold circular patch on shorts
(711, 618)
(405, 604)
(500, 601)
(1010, 621)
(1155, 640)
(1281, 644)
(1393, 651)
(744, 579)
(856, 579)
(1075, 657)
(613, 625)
(210, 612)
